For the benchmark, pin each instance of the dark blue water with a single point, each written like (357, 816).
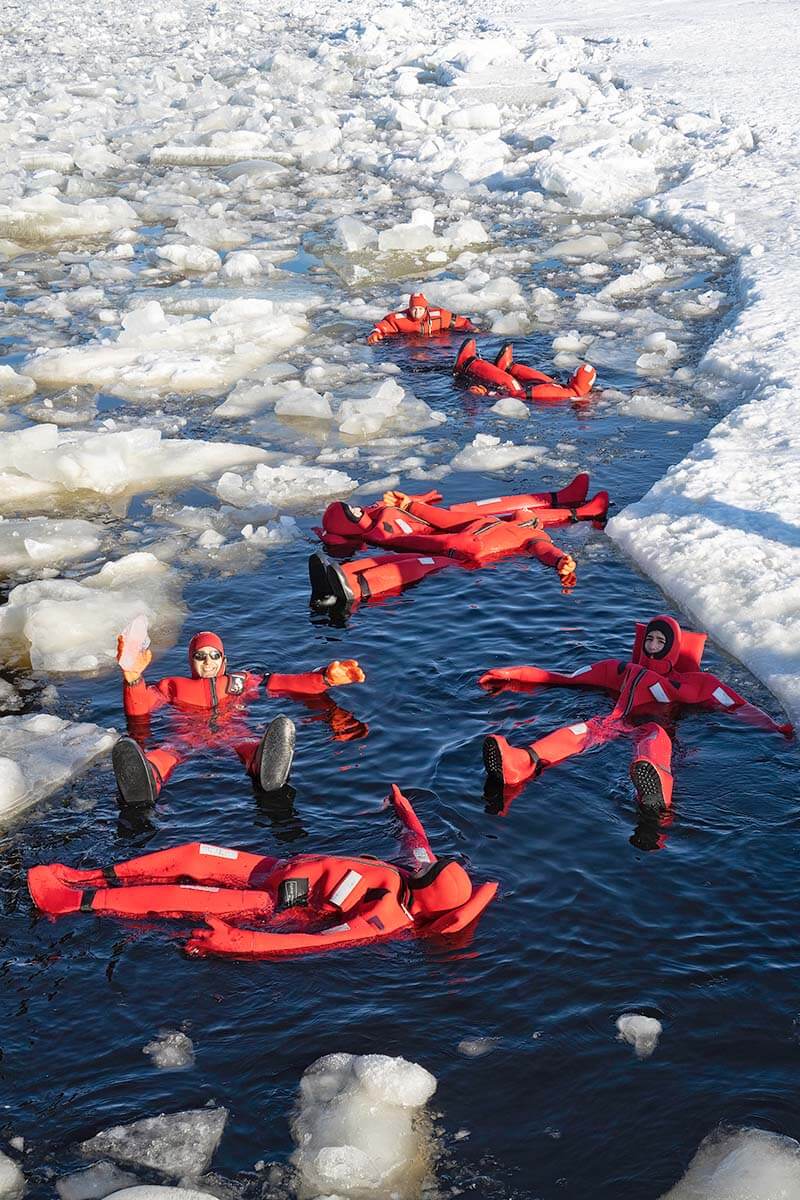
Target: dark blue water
(595, 917)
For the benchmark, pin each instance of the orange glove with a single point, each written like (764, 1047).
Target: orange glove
(347, 671)
(495, 678)
(566, 566)
(141, 664)
(373, 338)
(397, 499)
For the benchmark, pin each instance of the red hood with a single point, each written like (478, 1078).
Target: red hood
(683, 652)
(417, 301)
(337, 519)
(443, 887)
(204, 641)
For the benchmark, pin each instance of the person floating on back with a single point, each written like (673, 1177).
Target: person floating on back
(211, 713)
(508, 378)
(420, 320)
(663, 674)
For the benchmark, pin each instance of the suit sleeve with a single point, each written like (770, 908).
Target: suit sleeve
(462, 323)
(703, 688)
(385, 328)
(437, 518)
(140, 698)
(309, 683)
(607, 674)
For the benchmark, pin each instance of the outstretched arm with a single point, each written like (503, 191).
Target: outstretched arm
(702, 687)
(604, 674)
(312, 683)
(463, 323)
(414, 841)
(418, 506)
(382, 329)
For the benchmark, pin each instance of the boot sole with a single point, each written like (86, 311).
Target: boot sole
(648, 788)
(276, 752)
(318, 578)
(133, 774)
(493, 761)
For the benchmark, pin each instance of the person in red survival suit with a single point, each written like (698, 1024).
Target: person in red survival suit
(664, 672)
(212, 691)
(312, 901)
(420, 319)
(440, 537)
(508, 378)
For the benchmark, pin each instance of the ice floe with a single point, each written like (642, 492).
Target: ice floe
(40, 753)
(741, 1164)
(639, 1031)
(180, 1145)
(170, 1050)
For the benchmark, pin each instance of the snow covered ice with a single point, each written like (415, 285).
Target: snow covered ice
(176, 1144)
(94, 1183)
(357, 1129)
(40, 753)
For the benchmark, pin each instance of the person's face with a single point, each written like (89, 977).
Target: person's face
(654, 643)
(417, 312)
(208, 662)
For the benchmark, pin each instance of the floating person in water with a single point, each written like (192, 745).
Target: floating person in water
(465, 535)
(313, 901)
(419, 320)
(663, 674)
(211, 708)
(508, 378)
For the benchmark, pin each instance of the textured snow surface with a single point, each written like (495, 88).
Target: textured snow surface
(355, 1127)
(40, 753)
(177, 1144)
(741, 1164)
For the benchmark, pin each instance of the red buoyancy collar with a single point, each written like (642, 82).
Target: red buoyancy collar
(683, 652)
(340, 519)
(204, 641)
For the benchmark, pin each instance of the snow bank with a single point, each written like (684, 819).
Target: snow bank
(356, 1129)
(70, 626)
(43, 464)
(38, 755)
(639, 1031)
(157, 353)
(742, 1164)
(178, 1144)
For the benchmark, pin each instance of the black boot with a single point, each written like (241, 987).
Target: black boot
(273, 758)
(329, 586)
(135, 776)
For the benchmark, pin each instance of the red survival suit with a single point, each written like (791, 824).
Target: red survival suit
(466, 535)
(647, 686)
(211, 712)
(508, 378)
(435, 320)
(312, 901)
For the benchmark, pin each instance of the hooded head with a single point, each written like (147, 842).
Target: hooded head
(345, 520)
(417, 300)
(661, 644)
(440, 888)
(207, 643)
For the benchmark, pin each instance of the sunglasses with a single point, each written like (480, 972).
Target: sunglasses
(205, 655)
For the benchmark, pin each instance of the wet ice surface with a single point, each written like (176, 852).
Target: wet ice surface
(228, 303)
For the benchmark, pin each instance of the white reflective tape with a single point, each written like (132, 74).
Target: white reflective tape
(336, 929)
(657, 691)
(421, 855)
(578, 730)
(723, 697)
(404, 525)
(493, 500)
(426, 562)
(343, 889)
(197, 887)
(580, 671)
(398, 315)
(434, 312)
(218, 851)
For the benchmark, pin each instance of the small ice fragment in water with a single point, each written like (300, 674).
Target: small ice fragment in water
(176, 1144)
(12, 1181)
(640, 1032)
(170, 1050)
(748, 1163)
(478, 1046)
(94, 1182)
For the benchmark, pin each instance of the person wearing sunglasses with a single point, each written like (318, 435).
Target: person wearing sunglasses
(213, 692)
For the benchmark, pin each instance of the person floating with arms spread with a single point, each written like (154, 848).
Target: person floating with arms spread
(210, 713)
(663, 674)
(305, 903)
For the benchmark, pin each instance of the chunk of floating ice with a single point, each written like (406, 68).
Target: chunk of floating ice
(38, 220)
(39, 542)
(14, 386)
(299, 401)
(643, 277)
(487, 453)
(39, 753)
(640, 1032)
(508, 406)
(10, 699)
(284, 487)
(154, 1192)
(387, 409)
(478, 1046)
(603, 177)
(650, 408)
(12, 1181)
(241, 265)
(43, 463)
(170, 1050)
(354, 234)
(741, 1164)
(156, 353)
(71, 625)
(95, 1182)
(191, 259)
(356, 1127)
(177, 1144)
